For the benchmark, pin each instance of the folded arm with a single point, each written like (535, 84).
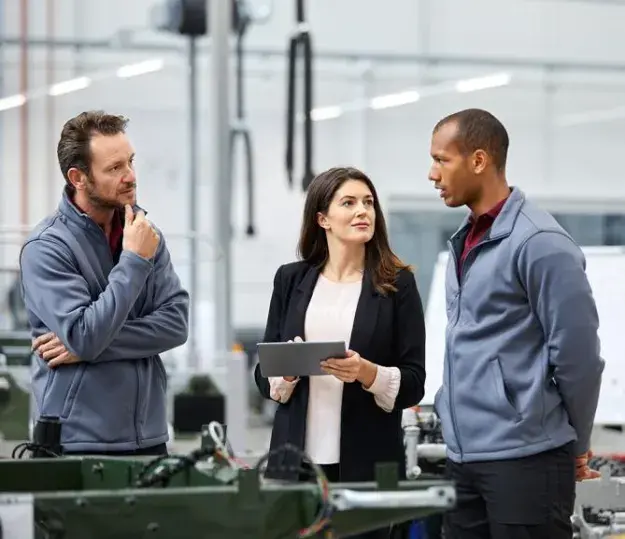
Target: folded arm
(552, 270)
(56, 292)
(166, 327)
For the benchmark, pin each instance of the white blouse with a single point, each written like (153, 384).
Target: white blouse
(330, 316)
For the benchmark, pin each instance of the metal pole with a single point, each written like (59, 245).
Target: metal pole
(193, 359)
(219, 23)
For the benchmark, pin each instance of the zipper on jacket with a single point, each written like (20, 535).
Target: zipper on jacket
(136, 414)
(460, 277)
(450, 360)
(138, 434)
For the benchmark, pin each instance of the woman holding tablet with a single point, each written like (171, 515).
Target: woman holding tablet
(348, 286)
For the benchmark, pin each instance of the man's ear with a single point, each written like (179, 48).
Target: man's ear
(77, 178)
(480, 161)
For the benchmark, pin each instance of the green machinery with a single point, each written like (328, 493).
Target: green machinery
(15, 352)
(205, 494)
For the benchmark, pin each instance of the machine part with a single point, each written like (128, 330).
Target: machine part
(17, 516)
(411, 438)
(46, 440)
(78, 497)
(600, 507)
(346, 499)
(240, 128)
(605, 524)
(300, 40)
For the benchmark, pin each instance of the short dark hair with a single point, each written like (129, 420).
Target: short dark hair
(73, 149)
(479, 130)
(380, 260)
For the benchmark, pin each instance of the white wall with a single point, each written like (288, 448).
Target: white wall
(391, 145)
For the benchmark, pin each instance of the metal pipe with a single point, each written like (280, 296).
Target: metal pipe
(219, 21)
(193, 358)
(50, 70)
(24, 117)
(113, 46)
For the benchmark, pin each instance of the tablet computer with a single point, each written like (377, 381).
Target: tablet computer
(297, 358)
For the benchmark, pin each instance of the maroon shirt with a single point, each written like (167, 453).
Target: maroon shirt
(117, 230)
(479, 227)
(117, 233)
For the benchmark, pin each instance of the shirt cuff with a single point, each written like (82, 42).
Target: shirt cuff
(280, 389)
(385, 387)
(386, 381)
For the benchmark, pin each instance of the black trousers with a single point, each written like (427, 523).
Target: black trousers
(156, 451)
(526, 498)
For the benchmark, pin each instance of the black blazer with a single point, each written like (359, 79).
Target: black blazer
(388, 330)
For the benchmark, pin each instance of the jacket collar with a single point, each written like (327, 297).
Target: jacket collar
(72, 213)
(504, 223)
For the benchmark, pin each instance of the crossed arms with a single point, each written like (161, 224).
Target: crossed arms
(56, 292)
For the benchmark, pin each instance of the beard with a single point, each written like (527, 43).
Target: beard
(100, 201)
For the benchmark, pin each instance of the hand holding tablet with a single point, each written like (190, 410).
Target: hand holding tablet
(345, 369)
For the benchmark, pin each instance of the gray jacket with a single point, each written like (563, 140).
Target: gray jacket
(522, 364)
(117, 317)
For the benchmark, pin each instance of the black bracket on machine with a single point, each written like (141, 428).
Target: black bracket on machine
(240, 129)
(300, 40)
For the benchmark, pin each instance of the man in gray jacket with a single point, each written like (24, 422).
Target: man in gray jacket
(522, 366)
(103, 300)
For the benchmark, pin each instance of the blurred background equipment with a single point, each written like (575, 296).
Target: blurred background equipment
(300, 46)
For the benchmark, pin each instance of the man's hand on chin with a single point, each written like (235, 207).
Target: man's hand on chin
(49, 347)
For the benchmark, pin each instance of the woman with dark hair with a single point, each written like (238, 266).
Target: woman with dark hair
(348, 286)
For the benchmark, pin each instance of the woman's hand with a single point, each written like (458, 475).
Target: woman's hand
(347, 369)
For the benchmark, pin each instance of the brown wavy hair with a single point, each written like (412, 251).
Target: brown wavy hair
(380, 261)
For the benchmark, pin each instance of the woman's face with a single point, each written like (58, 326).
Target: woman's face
(351, 215)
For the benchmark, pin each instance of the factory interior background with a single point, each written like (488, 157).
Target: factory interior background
(553, 71)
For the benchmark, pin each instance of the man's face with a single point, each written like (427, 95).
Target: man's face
(112, 181)
(451, 171)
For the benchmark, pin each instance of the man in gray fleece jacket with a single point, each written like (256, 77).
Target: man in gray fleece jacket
(522, 366)
(103, 300)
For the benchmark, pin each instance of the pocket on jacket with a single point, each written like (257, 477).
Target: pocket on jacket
(103, 404)
(162, 373)
(72, 391)
(502, 392)
(441, 408)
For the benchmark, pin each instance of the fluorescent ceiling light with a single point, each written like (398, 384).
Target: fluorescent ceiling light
(12, 101)
(68, 86)
(483, 83)
(141, 68)
(325, 113)
(394, 100)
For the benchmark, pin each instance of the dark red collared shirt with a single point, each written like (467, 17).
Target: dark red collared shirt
(117, 231)
(479, 227)
(116, 235)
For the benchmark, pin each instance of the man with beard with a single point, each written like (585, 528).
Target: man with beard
(103, 300)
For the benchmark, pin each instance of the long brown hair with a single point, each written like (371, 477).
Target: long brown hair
(380, 261)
